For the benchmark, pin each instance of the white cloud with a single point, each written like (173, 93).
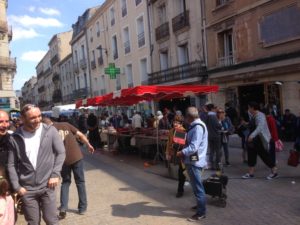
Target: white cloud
(33, 56)
(31, 8)
(28, 21)
(21, 33)
(49, 11)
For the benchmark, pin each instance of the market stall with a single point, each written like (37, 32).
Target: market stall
(131, 96)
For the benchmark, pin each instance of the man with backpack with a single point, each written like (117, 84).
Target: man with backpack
(194, 155)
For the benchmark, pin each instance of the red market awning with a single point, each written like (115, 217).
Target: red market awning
(131, 96)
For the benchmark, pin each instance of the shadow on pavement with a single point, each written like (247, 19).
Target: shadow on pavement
(135, 210)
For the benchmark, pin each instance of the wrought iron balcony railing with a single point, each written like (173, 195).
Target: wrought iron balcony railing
(100, 60)
(181, 21)
(162, 31)
(41, 89)
(226, 61)
(189, 70)
(54, 59)
(55, 77)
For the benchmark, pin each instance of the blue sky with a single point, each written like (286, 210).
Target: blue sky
(34, 22)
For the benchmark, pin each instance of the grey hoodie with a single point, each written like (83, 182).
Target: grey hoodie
(50, 159)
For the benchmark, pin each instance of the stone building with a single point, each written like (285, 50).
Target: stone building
(7, 63)
(253, 52)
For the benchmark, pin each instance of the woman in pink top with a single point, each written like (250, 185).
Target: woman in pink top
(7, 212)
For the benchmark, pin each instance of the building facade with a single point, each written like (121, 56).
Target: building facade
(178, 46)
(7, 63)
(28, 94)
(254, 52)
(67, 80)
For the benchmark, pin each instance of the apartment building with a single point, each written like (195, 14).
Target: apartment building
(67, 80)
(7, 63)
(254, 51)
(27, 91)
(118, 34)
(80, 56)
(178, 46)
(59, 48)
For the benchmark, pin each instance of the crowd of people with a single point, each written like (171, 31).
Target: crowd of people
(36, 151)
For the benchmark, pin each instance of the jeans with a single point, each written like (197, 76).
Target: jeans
(226, 152)
(215, 152)
(198, 189)
(78, 172)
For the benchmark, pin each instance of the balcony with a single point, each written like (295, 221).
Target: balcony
(55, 77)
(8, 63)
(127, 47)
(226, 61)
(137, 2)
(41, 89)
(48, 71)
(57, 96)
(40, 74)
(93, 64)
(189, 70)
(68, 98)
(76, 68)
(162, 31)
(181, 21)
(141, 39)
(124, 11)
(54, 59)
(100, 60)
(83, 64)
(81, 93)
(3, 26)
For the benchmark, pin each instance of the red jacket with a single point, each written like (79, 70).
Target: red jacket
(272, 127)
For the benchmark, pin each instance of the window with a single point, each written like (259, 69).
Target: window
(225, 46)
(91, 34)
(112, 16)
(126, 40)
(115, 47)
(137, 2)
(98, 28)
(162, 14)
(163, 58)
(144, 74)
(124, 7)
(128, 72)
(140, 31)
(82, 52)
(183, 54)
(221, 2)
(118, 82)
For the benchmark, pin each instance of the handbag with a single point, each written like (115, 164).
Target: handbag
(178, 139)
(278, 146)
(293, 159)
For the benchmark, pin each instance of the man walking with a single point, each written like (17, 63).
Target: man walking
(34, 164)
(194, 154)
(73, 162)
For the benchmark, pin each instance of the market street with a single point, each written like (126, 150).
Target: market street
(121, 191)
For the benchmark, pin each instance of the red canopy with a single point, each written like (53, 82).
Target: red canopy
(131, 96)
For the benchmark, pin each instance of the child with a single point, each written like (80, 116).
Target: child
(7, 213)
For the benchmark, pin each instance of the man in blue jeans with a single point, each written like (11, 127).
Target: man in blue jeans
(73, 162)
(194, 154)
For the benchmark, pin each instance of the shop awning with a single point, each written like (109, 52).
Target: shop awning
(131, 96)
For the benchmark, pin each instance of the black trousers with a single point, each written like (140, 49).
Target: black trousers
(181, 179)
(255, 148)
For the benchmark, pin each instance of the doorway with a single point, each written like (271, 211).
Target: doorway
(250, 93)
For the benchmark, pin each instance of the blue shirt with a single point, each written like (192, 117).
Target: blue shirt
(196, 141)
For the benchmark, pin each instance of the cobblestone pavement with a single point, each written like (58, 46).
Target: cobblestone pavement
(121, 191)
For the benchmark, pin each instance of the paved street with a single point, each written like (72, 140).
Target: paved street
(122, 191)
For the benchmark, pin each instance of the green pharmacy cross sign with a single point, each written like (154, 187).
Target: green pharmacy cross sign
(112, 71)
